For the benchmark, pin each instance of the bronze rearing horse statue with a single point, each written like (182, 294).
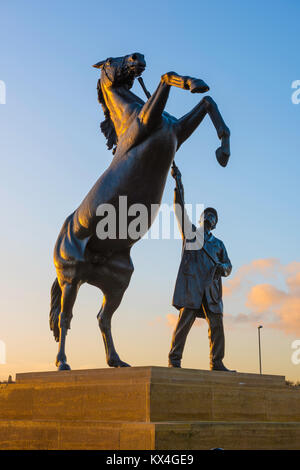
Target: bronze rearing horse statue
(144, 139)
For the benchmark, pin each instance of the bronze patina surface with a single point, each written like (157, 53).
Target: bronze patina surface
(144, 139)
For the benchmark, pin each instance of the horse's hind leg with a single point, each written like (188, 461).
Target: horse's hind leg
(113, 280)
(186, 125)
(110, 304)
(68, 297)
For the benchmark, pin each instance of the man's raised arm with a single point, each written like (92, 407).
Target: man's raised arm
(184, 223)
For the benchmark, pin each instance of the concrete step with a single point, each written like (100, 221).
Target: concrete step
(151, 374)
(148, 394)
(97, 435)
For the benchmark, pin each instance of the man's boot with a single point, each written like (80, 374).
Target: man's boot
(216, 341)
(220, 366)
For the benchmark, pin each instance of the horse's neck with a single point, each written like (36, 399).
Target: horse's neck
(130, 97)
(123, 106)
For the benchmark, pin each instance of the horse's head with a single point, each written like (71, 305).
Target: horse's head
(121, 71)
(116, 72)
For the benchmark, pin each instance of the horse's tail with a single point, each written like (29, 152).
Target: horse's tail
(55, 309)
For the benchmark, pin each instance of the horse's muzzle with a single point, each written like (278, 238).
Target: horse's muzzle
(138, 70)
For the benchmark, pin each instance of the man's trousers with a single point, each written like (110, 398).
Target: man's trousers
(216, 337)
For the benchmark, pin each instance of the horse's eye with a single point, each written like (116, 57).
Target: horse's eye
(134, 57)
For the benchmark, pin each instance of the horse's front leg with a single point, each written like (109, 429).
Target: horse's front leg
(195, 85)
(186, 125)
(151, 113)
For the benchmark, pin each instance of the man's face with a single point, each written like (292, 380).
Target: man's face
(209, 220)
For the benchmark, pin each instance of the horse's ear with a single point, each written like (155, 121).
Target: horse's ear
(99, 64)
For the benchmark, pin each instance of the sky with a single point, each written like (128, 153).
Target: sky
(52, 152)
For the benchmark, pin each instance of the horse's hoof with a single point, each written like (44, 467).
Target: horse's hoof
(222, 157)
(198, 86)
(64, 366)
(123, 364)
(117, 363)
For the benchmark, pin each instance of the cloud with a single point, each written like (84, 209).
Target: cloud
(158, 320)
(169, 320)
(264, 296)
(289, 315)
(293, 283)
(172, 320)
(268, 304)
(232, 322)
(292, 268)
(264, 267)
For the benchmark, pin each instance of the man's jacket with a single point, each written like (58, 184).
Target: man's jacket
(195, 282)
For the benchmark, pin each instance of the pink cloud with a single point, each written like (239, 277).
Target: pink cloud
(263, 296)
(259, 266)
(172, 319)
(274, 307)
(268, 305)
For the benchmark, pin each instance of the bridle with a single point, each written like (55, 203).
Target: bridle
(106, 72)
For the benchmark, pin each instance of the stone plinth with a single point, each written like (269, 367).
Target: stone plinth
(148, 408)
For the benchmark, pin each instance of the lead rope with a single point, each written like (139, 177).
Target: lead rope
(174, 166)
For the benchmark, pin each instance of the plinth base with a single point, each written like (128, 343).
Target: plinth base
(149, 408)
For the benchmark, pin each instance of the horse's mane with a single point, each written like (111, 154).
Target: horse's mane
(107, 126)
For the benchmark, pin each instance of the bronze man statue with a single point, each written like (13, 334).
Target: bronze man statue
(198, 290)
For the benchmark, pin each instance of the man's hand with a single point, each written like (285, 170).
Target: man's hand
(219, 271)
